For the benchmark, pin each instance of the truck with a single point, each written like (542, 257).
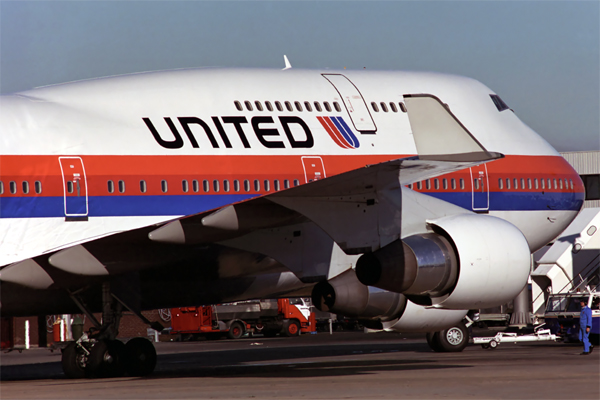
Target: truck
(287, 317)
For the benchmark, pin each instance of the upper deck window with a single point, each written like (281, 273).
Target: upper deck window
(500, 105)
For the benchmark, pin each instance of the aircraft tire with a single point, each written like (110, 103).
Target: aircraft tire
(140, 357)
(72, 361)
(454, 339)
(106, 359)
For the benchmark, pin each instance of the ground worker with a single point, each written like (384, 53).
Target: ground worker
(585, 325)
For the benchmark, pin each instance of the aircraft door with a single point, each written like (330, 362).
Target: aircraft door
(354, 102)
(74, 188)
(313, 168)
(480, 188)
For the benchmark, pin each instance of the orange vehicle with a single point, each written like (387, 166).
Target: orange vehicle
(288, 317)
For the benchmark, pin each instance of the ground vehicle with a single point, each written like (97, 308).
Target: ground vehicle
(288, 317)
(562, 314)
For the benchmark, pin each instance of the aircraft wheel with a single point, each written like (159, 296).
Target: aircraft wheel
(106, 359)
(454, 339)
(433, 341)
(140, 357)
(291, 327)
(73, 361)
(236, 330)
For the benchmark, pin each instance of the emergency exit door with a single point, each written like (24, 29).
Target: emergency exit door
(354, 102)
(480, 188)
(74, 188)
(313, 168)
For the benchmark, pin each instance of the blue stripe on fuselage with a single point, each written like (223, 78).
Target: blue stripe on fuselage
(113, 206)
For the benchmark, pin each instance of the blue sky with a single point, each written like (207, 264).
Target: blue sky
(541, 57)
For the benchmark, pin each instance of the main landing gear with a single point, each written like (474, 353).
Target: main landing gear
(453, 339)
(100, 354)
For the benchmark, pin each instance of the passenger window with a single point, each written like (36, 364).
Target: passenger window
(561, 184)
(236, 185)
(296, 182)
(122, 186)
(276, 185)
(279, 106)
(37, 185)
(143, 186)
(393, 107)
(195, 186)
(298, 105)
(13, 187)
(164, 186)
(402, 107)
(529, 183)
(419, 185)
(318, 106)
(259, 106)
(1, 187)
(337, 106)
(111, 187)
(476, 183)
(25, 187)
(69, 187)
(522, 183)
(205, 186)
(226, 185)
(555, 184)
(549, 184)
(267, 185)
(436, 184)
(246, 185)
(508, 183)
(256, 185)
(286, 184)
(428, 184)
(288, 105)
(307, 106)
(566, 184)
(543, 183)
(537, 185)
(453, 181)
(374, 106)
(462, 184)
(184, 186)
(216, 187)
(327, 106)
(268, 105)
(516, 183)
(384, 107)
(500, 183)
(248, 105)
(571, 182)
(238, 105)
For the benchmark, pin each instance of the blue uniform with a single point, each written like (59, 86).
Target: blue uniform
(585, 321)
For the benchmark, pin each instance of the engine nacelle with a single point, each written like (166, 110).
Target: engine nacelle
(345, 295)
(416, 318)
(470, 261)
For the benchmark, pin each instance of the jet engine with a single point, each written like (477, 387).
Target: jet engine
(468, 261)
(345, 295)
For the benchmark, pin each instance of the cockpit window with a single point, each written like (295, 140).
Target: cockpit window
(500, 105)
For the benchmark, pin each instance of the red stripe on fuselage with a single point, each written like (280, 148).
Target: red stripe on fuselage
(174, 169)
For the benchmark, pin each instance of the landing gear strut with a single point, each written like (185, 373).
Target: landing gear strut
(100, 354)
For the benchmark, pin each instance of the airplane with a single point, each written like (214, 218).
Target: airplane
(404, 199)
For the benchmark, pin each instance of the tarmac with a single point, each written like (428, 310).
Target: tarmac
(339, 366)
